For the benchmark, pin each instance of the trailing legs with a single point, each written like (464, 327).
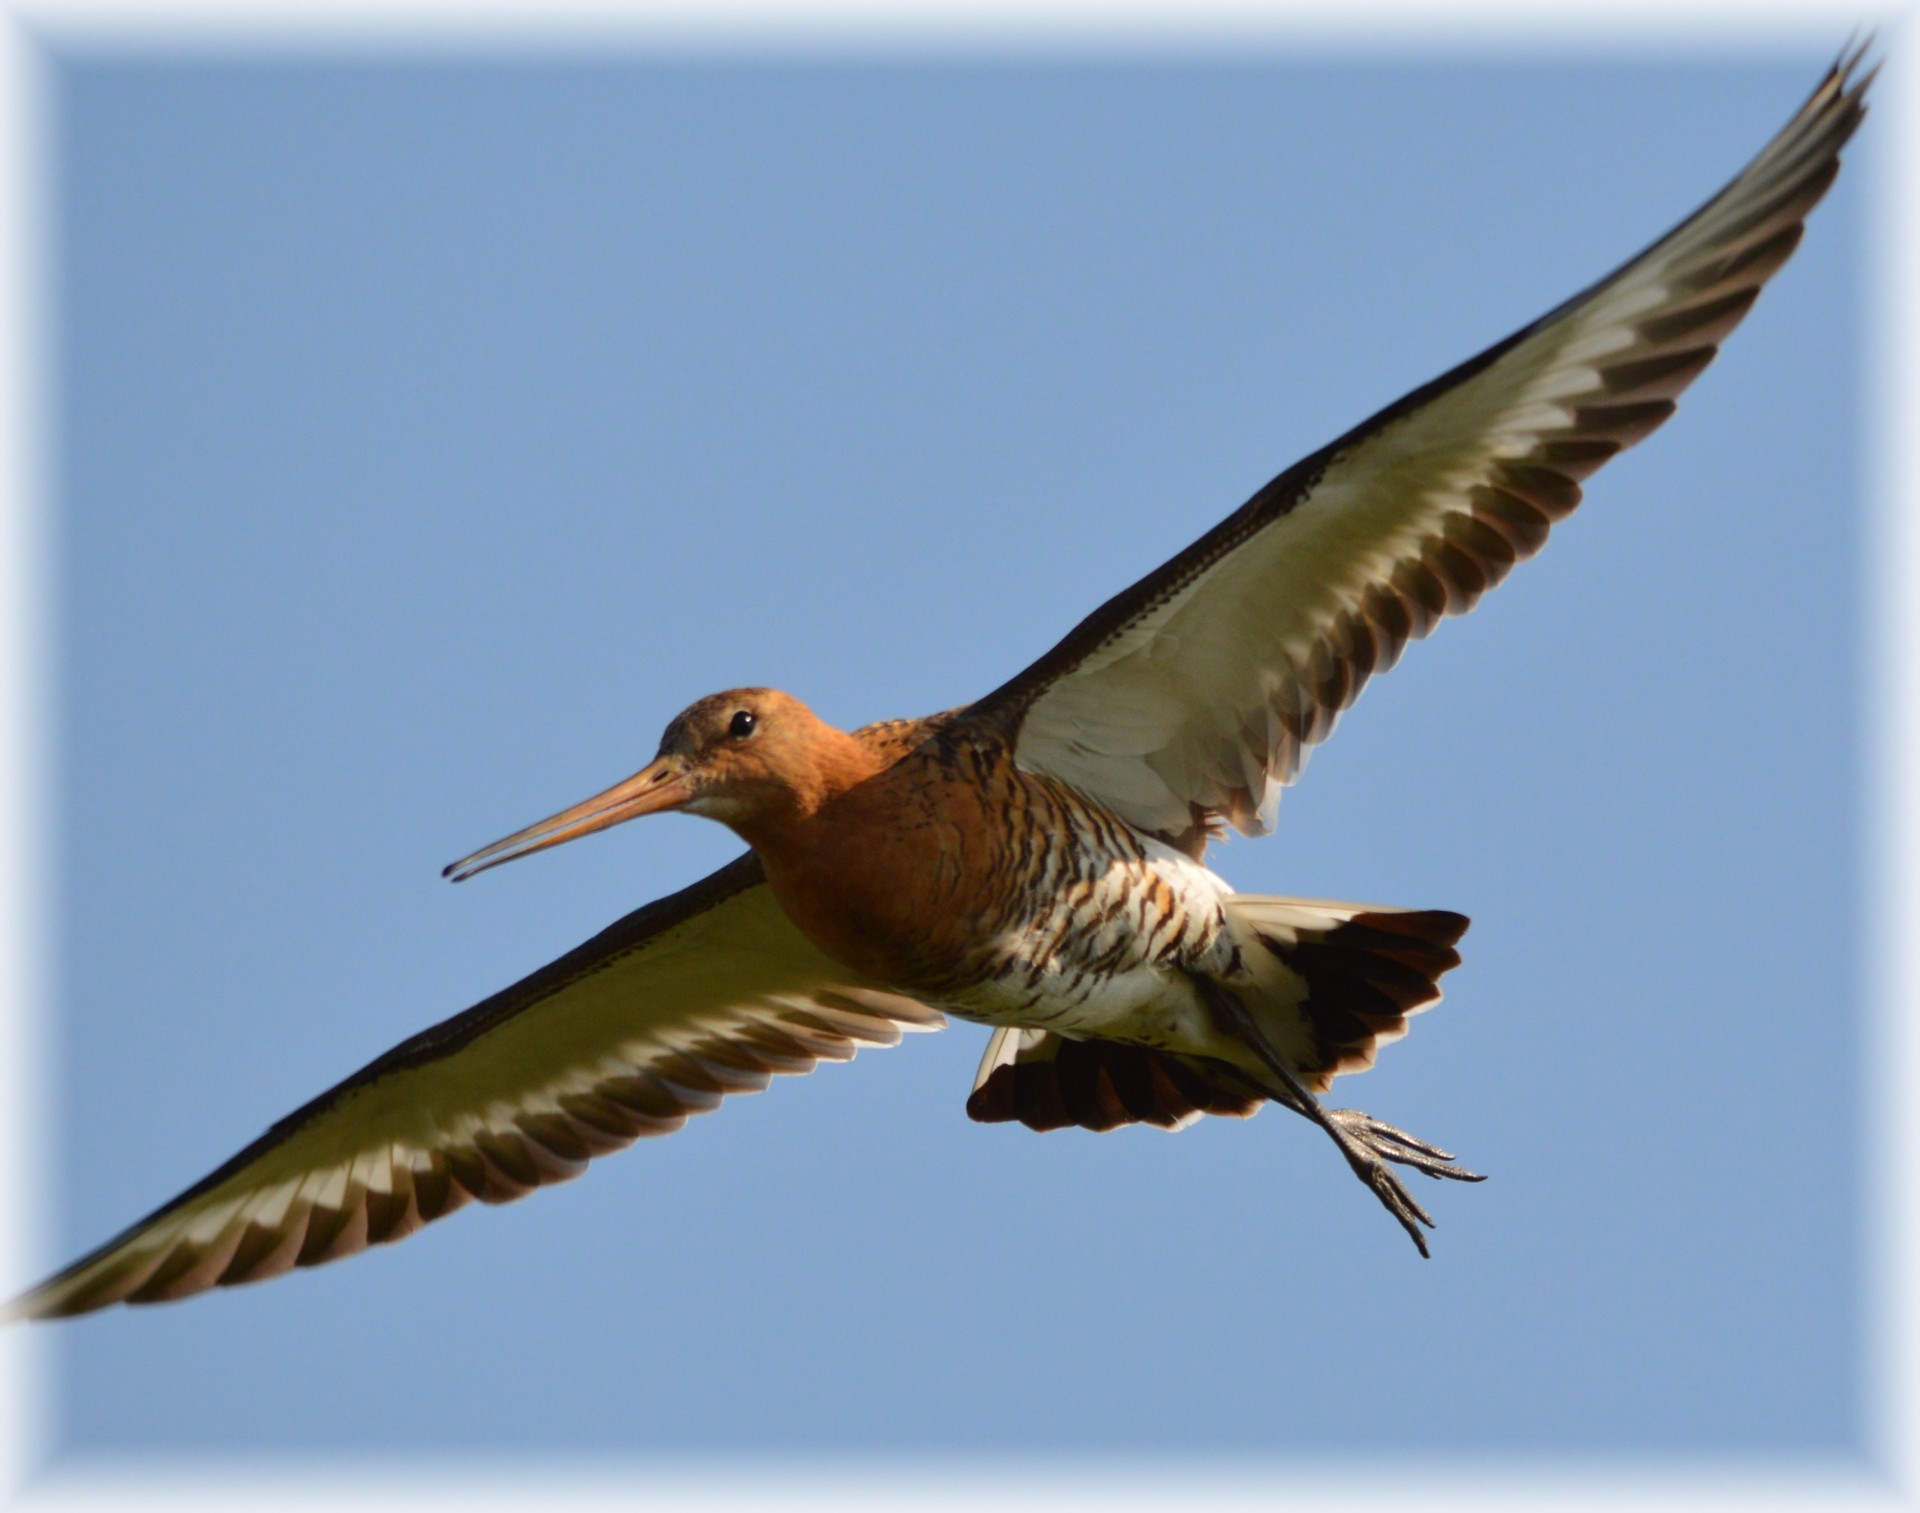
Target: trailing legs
(1366, 1142)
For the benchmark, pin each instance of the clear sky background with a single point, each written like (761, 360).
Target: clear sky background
(431, 434)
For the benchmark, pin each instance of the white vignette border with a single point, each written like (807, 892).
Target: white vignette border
(1888, 1475)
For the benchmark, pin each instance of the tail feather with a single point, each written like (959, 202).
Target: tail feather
(1350, 975)
(1333, 982)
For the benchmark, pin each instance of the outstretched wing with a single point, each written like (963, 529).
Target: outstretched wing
(1197, 692)
(707, 992)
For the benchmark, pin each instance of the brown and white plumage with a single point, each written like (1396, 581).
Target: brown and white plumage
(1031, 861)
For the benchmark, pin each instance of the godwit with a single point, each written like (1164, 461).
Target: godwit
(1034, 860)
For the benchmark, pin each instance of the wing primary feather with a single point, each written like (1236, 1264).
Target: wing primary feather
(1409, 517)
(705, 993)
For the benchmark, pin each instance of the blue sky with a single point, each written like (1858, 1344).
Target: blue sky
(430, 434)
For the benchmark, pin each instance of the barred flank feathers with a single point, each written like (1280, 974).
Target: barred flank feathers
(1353, 975)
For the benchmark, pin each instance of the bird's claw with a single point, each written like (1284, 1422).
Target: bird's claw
(1369, 1144)
(1393, 1195)
(1390, 1143)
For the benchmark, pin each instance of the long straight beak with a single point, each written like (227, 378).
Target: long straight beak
(663, 784)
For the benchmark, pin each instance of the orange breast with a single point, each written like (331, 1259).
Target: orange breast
(950, 869)
(902, 876)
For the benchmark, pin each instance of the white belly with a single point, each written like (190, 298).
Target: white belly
(1151, 1006)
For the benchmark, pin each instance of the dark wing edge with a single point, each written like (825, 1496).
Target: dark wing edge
(382, 1163)
(1425, 563)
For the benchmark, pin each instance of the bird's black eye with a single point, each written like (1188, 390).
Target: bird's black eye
(741, 725)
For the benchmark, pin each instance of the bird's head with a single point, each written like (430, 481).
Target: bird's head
(743, 757)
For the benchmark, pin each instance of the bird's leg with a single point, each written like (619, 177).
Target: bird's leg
(1366, 1142)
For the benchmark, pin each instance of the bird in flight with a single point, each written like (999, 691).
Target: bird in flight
(1034, 861)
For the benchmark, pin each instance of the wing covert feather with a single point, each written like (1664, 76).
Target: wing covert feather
(1198, 692)
(706, 992)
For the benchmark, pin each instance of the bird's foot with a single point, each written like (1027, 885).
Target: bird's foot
(1393, 1144)
(1368, 1144)
(1372, 1170)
